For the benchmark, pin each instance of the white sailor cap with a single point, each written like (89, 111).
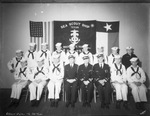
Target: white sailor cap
(71, 45)
(115, 48)
(58, 44)
(39, 59)
(19, 51)
(85, 45)
(71, 56)
(23, 60)
(117, 56)
(134, 59)
(85, 57)
(129, 48)
(56, 56)
(100, 55)
(32, 44)
(44, 44)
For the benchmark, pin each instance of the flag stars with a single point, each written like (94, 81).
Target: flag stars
(108, 27)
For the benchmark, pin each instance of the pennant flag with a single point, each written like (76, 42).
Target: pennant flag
(77, 32)
(40, 33)
(107, 35)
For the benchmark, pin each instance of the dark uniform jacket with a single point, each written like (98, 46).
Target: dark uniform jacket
(71, 72)
(85, 73)
(126, 59)
(101, 73)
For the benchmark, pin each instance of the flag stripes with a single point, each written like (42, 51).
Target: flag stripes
(40, 33)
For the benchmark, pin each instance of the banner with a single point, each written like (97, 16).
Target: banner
(107, 35)
(77, 32)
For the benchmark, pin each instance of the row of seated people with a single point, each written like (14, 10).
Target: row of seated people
(84, 75)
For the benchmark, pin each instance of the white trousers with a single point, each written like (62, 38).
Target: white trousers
(54, 89)
(121, 91)
(36, 90)
(17, 88)
(139, 92)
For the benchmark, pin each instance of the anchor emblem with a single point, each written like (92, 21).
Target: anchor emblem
(74, 39)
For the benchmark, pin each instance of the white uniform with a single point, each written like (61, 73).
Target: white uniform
(118, 73)
(75, 54)
(31, 59)
(137, 75)
(56, 75)
(39, 73)
(46, 55)
(82, 54)
(111, 59)
(14, 64)
(22, 80)
(62, 55)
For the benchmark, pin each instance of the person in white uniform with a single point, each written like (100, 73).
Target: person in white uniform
(119, 82)
(111, 57)
(136, 79)
(72, 52)
(45, 53)
(56, 75)
(14, 63)
(21, 80)
(60, 52)
(85, 51)
(38, 79)
(31, 56)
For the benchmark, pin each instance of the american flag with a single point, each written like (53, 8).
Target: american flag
(40, 33)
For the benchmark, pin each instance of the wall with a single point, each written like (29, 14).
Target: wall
(134, 20)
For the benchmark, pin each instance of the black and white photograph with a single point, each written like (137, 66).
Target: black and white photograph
(74, 57)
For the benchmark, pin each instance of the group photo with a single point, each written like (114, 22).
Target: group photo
(74, 58)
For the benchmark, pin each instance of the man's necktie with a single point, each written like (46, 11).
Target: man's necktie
(118, 69)
(22, 71)
(56, 67)
(135, 72)
(39, 71)
(18, 60)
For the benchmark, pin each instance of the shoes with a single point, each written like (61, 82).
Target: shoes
(72, 105)
(125, 105)
(117, 104)
(84, 104)
(107, 106)
(143, 112)
(33, 103)
(67, 104)
(137, 105)
(88, 104)
(52, 103)
(102, 105)
(56, 103)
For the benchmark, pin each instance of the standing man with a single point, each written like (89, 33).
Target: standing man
(31, 56)
(72, 52)
(119, 79)
(60, 52)
(45, 53)
(111, 57)
(85, 51)
(21, 80)
(101, 75)
(38, 80)
(71, 81)
(86, 81)
(126, 57)
(136, 79)
(56, 75)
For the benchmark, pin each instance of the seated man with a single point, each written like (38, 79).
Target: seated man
(38, 80)
(71, 82)
(118, 79)
(21, 75)
(136, 79)
(101, 75)
(86, 81)
(56, 75)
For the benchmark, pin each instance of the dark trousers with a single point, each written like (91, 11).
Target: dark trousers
(71, 91)
(104, 92)
(87, 92)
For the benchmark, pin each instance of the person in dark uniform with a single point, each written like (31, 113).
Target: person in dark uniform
(101, 75)
(126, 57)
(86, 81)
(71, 81)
